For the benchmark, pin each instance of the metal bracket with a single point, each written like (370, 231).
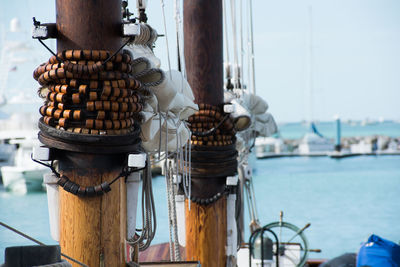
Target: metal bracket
(137, 160)
(42, 153)
(247, 171)
(130, 29)
(44, 31)
(229, 108)
(232, 180)
(49, 30)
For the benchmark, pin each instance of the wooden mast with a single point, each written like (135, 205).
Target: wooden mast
(92, 229)
(205, 224)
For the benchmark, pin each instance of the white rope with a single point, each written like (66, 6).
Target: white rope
(241, 63)
(227, 60)
(166, 35)
(149, 222)
(168, 192)
(251, 48)
(235, 51)
(174, 219)
(179, 30)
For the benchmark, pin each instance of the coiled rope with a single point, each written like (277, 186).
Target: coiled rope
(211, 127)
(213, 152)
(90, 92)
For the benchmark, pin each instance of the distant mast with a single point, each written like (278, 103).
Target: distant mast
(310, 111)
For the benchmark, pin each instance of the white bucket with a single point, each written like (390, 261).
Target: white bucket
(53, 203)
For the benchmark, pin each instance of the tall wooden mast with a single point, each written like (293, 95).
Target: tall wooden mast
(205, 224)
(92, 229)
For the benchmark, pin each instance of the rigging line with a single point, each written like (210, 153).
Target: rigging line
(254, 198)
(38, 242)
(152, 210)
(241, 41)
(160, 135)
(310, 67)
(149, 220)
(179, 30)
(166, 36)
(227, 67)
(248, 200)
(177, 26)
(167, 187)
(235, 51)
(251, 43)
(175, 223)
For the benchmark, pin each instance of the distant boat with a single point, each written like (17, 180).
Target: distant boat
(6, 151)
(368, 121)
(25, 175)
(269, 145)
(314, 142)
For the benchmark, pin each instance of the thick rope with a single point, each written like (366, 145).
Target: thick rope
(89, 92)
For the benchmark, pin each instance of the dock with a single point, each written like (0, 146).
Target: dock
(335, 155)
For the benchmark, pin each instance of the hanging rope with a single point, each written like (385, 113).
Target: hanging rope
(149, 219)
(172, 215)
(180, 47)
(252, 75)
(241, 63)
(166, 34)
(235, 47)
(227, 64)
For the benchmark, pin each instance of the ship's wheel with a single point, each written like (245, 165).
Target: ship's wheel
(293, 245)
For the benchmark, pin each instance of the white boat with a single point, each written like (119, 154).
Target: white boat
(313, 143)
(25, 175)
(269, 145)
(6, 151)
(18, 122)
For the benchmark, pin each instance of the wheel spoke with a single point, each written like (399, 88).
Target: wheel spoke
(300, 231)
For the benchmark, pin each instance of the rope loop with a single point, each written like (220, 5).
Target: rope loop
(86, 191)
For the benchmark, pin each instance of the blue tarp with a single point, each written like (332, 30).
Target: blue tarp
(378, 252)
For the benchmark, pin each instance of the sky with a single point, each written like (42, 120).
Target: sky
(355, 59)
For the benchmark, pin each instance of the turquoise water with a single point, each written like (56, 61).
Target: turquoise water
(344, 200)
(328, 129)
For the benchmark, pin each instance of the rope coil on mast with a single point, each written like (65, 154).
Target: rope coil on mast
(90, 92)
(213, 132)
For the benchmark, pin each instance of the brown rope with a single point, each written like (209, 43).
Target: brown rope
(213, 138)
(90, 92)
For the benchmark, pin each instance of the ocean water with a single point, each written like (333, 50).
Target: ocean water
(349, 129)
(344, 200)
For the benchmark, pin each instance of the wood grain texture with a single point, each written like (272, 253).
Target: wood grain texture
(93, 227)
(203, 49)
(205, 225)
(206, 233)
(88, 24)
